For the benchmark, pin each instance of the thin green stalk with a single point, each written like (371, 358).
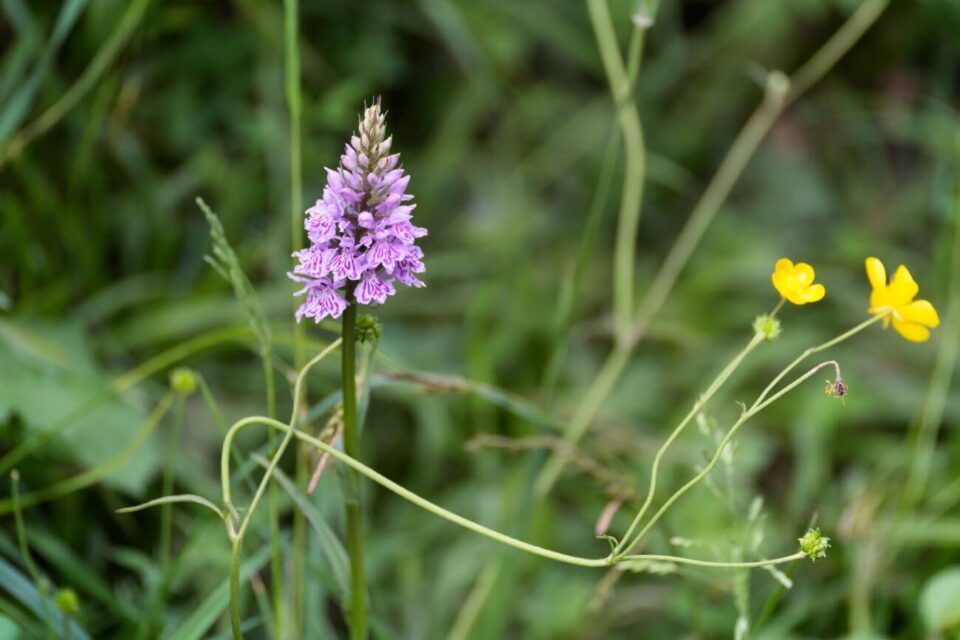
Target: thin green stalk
(120, 384)
(720, 565)
(777, 96)
(273, 507)
(166, 519)
(466, 523)
(697, 408)
(634, 163)
(586, 411)
(237, 534)
(759, 405)
(351, 444)
(25, 551)
(94, 475)
(839, 44)
(104, 58)
(235, 554)
(291, 33)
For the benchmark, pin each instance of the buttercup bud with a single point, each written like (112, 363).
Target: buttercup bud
(814, 545)
(183, 381)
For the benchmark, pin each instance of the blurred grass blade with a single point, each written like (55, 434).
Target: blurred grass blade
(22, 590)
(17, 107)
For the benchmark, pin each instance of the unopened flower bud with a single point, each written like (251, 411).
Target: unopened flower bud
(368, 329)
(814, 545)
(67, 601)
(183, 381)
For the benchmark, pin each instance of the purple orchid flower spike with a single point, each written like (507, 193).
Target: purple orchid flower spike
(362, 236)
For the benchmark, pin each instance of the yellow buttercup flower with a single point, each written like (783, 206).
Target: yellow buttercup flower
(795, 282)
(895, 302)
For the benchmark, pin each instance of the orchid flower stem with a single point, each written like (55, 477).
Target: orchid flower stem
(476, 527)
(351, 444)
(759, 405)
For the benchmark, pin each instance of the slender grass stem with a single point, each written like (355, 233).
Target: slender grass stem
(98, 473)
(928, 426)
(122, 383)
(104, 58)
(25, 552)
(291, 33)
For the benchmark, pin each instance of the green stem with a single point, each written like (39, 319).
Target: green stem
(759, 405)
(351, 444)
(291, 32)
(697, 408)
(235, 589)
(466, 523)
(25, 552)
(94, 475)
(719, 565)
(236, 535)
(122, 383)
(634, 163)
(780, 91)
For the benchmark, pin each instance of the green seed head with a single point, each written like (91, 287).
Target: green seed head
(767, 326)
(814, 544)
(183, 381)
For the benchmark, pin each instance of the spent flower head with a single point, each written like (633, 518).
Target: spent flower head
(795, 282)
(767, 325)
(895, 302)
(361, 231)
(814, 544)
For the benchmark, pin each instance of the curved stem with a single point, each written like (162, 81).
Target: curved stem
(697, 407)
(756, 408)
(94, 475)
(237, 426)
(421, 502)
(809, 352)
(120, 384)
(236, 537)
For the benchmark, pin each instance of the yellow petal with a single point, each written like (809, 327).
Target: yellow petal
(920, 312)
(876, 274)
(783, 267)
(910, 331)
(803, 273)
(902, 287)
(814, 293)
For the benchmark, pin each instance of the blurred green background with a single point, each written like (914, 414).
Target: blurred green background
(502, 114)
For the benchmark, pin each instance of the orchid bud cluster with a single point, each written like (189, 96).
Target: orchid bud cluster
(361, 231)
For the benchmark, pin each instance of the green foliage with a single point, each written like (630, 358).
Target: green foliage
(503, 113)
